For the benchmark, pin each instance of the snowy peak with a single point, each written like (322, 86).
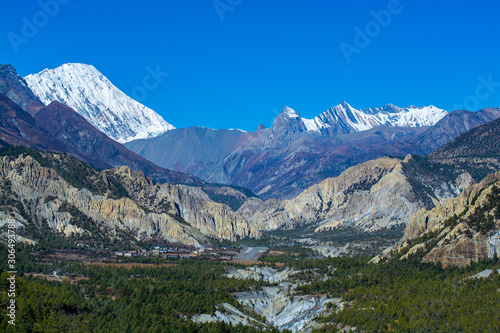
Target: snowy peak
(290, 113)
(343, 118)
(288, 121)
(86, 90)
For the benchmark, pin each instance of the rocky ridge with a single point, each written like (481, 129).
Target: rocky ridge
(459, 231)
(39, 198)
(190, 203)
(370, 196)
(16, 89)
(295, 153)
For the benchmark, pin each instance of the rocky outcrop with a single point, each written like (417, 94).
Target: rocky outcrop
(455, 232)
(275, 303)
(370, 196)
(227, 313)
(43, 194)
(162, 211)
(190, 203)
(266, 274)
(16, 88)
(295, 313)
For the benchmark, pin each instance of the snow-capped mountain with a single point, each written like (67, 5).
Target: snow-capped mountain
(345, 119)
(83, 88)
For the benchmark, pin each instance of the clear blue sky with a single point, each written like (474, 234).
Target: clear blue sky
(239, 71)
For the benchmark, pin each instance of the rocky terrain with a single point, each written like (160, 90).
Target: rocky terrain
(90, 207)
(275, 304)
(281, 161)
(17, 90)
(374, 195)
(459, 231)
(451, 126)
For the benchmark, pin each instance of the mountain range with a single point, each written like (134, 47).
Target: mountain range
(282, 161)
(343, 118)
(318, 175)
(277, 162)
(76, 201)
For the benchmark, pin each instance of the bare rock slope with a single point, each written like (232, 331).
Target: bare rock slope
(462, 230)
(374, 195)
(94, 207)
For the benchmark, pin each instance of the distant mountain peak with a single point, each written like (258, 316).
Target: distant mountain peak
(7, 68)
(261, 127)
(290, 113)
(85, 89)
(344, 105)
(288, 122)
(16, 89)
(343, 118)
(73, 65)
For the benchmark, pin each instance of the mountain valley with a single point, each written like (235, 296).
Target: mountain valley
(347, 204)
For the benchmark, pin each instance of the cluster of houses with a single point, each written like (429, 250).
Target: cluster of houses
(171, 252)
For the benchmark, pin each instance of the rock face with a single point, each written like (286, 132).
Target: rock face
(38, 196)
(370, 196)
(190, 203)
(295, 313)
(43, 192)
(229, 314)
(462, 230)
(275, 303)
(451, 126)
(16, 89)
(267, 274)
